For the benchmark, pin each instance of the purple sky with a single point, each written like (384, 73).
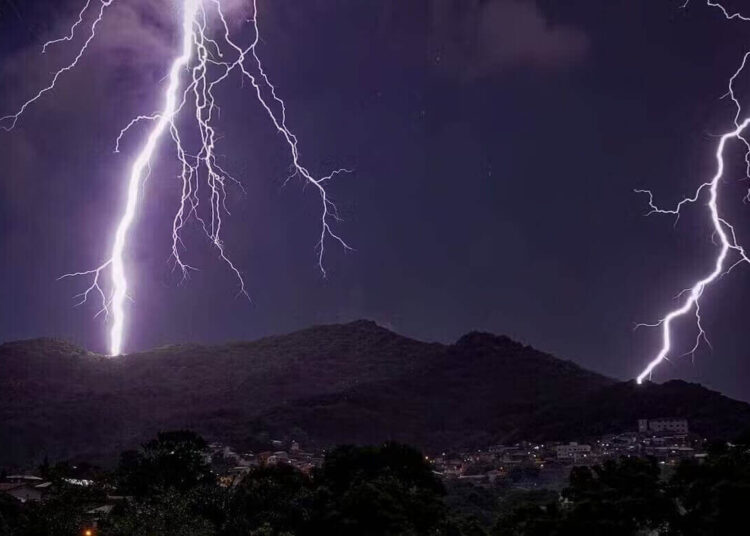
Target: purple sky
(496, 145)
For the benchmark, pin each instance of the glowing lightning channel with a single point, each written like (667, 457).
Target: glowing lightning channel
(208, 62)
(725, 232)
(119, 280)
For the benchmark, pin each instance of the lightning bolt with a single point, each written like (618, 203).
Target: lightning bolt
(208, 56)
(730, 253)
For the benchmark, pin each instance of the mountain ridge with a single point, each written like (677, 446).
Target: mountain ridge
(328, 384)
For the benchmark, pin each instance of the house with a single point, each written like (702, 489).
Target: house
(99, 513)
(24, 478)
(677, 426)
(24, 491)
(572, 451)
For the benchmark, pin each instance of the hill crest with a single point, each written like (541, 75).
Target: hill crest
(338, 383)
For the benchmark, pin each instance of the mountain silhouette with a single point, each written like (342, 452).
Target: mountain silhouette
(325, 385)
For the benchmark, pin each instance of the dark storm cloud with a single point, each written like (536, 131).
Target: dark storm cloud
(140, 34)
(481, 37)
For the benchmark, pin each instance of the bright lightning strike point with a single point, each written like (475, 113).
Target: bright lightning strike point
(725, 232)
(119, 280)
(207, 61)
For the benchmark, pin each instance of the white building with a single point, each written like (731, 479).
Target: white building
(677, 426)
(572, 451)
(24, 491)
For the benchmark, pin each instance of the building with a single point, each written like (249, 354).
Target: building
(676, 426)
(572, 451)
(23, 491)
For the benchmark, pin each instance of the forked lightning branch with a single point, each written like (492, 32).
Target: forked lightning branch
(208, 56)
(730, 252)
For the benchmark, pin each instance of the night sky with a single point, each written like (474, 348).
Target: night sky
(496, 145)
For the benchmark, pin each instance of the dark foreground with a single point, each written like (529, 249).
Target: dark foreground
(168, 488)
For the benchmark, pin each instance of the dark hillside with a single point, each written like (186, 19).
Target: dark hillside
(354, 382)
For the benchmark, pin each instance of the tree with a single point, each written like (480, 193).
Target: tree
(10, 514)
(171, 513)
(713, 495)
(175, 492)
(462, 525)
(173, 460)
(528, 513)
(271, 499)
(387, 490)
(60, 514)
(617, 498)
(531, 519)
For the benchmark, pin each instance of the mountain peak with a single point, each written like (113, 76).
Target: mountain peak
(363, 323)
(485, 339)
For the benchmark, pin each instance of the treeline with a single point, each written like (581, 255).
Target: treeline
(167, 488)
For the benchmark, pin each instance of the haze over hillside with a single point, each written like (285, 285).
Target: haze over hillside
(355, 382)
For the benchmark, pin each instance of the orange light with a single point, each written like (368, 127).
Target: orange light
(88, 532)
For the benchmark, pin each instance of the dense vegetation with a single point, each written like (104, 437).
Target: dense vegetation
(387, 490)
